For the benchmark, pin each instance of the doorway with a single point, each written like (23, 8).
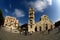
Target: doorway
(35, 28)
(40, 28)
(46, 27)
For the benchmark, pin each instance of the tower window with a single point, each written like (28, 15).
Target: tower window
(30, 13)
(31, 26)
(30, 20)
(30, 17)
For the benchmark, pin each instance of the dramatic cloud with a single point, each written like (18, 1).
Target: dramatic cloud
(6, 10)
(19, 13)
(41, 4)
(49, 2)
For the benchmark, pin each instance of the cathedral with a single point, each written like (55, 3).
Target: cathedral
(44, 24)
(11, 23)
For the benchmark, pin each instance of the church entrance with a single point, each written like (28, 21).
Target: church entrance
(46, 27)
(35, 28)
(51, 27)
(40, 28)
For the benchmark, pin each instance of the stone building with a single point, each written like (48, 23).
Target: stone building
(44, 24)
(11, 23)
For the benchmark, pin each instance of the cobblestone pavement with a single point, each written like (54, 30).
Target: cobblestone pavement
(35, 36)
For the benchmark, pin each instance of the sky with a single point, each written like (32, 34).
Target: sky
(20, 9)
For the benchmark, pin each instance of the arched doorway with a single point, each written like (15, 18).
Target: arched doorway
(40, 28)
(46, 27)
(36, 28)
(51, 27)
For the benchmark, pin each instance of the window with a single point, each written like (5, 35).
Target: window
(30, 13)
(31, 26)
(6, 24)
(30, 17)
(30, 20)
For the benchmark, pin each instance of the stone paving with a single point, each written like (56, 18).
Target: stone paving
(35, 36)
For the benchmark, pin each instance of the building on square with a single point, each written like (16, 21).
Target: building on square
(11, 23)
(44, 24)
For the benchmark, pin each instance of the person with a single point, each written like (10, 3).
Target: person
(25, 32)
(30, 33)
(49, 31)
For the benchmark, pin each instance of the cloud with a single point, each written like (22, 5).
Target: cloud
(19, 13)
(6, 10)
(41, 4)
(49, 2)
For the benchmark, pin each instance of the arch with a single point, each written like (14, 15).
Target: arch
(51, 27)
(36, 28)
(46, 27)
(40, 28)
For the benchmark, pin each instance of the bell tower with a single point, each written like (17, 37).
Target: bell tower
(31, 20)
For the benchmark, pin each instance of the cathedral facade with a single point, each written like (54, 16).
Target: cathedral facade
(44, 24)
